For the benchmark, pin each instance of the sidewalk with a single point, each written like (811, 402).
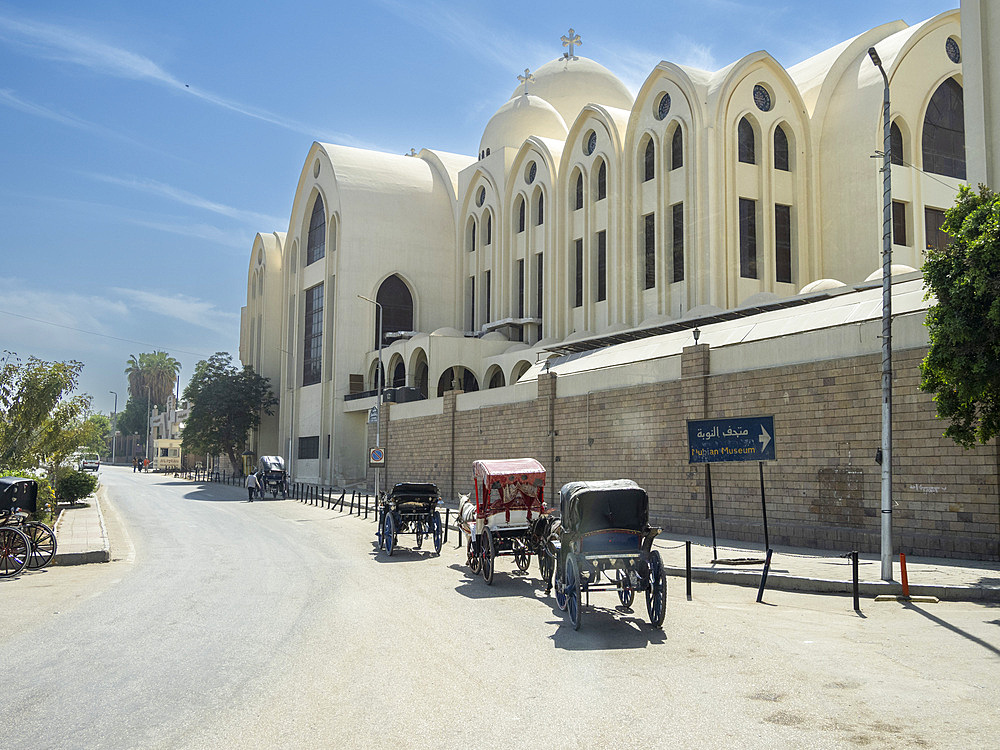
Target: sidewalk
(82, 538)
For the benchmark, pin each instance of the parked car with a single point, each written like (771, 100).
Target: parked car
(90, 462)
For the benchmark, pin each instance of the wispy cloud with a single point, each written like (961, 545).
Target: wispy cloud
(66, 45)
(184, 308)
(240, 241)
(178, 195)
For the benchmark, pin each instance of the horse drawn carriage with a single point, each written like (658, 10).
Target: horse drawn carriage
(271, 476)
(509, 517)
(23, 543)
(409, 508)
(605, 528)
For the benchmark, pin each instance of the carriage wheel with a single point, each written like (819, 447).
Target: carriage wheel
(573, 591)
(625, 591)
(489, 555)
(656, 594)
(14, 551)
(545, 565)
(472, 550)
(436, 532)
(378, 529)
(420, 533)
(560, 581)
(389, 533)
(43, 544)
(523, 561)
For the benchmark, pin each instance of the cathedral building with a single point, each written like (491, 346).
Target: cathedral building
(593, 215)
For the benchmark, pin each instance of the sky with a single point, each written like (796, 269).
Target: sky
(144, 145)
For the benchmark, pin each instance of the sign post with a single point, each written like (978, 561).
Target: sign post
(731, 439)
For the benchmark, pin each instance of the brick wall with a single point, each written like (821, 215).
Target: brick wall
(822, 491)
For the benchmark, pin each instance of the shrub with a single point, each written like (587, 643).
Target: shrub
(75, 485)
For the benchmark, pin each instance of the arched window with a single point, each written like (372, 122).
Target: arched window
(489, 228)
(470, 234)
(316, 244)
(469, 382)
(747, 142)
(445, 382)
(540, 208)
(895, 144)
(649, 162)
(677, 149)
(780, 149)
(520, 214)
(602, 181)
(397, 309)
(399, 375)
(496, 379)
(420, 377)
(944, 132)
(579, 191)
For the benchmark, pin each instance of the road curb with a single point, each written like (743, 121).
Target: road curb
(102, 554)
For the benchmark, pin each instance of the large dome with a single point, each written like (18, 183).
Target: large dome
(569, 84)
(523, 116)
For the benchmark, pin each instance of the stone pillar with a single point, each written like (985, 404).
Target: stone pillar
(981, 90)
(450, 403)
(547, 417)
(695, 366)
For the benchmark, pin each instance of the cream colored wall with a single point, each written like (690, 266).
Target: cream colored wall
(981, 67)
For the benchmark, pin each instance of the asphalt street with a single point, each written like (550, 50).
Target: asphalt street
(275, 624)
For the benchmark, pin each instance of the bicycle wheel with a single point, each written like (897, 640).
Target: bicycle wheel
(15, 550)
(43, 544)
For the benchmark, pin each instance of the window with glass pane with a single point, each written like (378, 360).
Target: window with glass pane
(649, 161)
(316, 243)
(933, 221)
(312, 336)
(309, 447)
(540, 209)
(895, 145)
(602, 266)
(677, 241)
(520, 215)
(783, 244)
(748, 238)
(780, 149)
(520, 289)
(899, 236)
(579, 191)
(677, 149)
(489, 286)
(578, 299)
(649, 248)
(602, 181)
(944, 132)
(747, 142)
(538, 292)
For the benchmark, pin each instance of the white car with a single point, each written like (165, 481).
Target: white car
(90, 462)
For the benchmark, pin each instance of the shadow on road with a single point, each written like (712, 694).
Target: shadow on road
(505, 584)
(953, 628)
(603, 629)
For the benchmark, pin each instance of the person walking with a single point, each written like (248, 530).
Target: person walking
(251, 486)
(135, 462)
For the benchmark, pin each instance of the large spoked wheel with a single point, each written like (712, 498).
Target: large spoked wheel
(436, 532)
(389, 534)
(573, 591)
(560, 582)
(489, 556)
(379, 521)
(472, 550)
(43, 544)
(656, 594)
(545, 565)
(522, 560)
(420, 533)
(626, 594)
(15, 550)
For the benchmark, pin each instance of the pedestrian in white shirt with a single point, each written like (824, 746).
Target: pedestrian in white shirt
(251, 486)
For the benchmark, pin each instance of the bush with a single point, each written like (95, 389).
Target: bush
(46, 497)
(75, 485)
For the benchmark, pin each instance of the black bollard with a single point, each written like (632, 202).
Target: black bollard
(854, 564)
(447, 516)
(687, 553)
(763, 577)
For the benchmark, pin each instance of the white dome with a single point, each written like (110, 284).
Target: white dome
(519, 118)
(571, 84)
(894, 270)
(821, 285)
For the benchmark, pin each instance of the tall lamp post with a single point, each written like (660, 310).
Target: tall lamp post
(886, 324)
(378, 377)
(149, 417)
(114, 421)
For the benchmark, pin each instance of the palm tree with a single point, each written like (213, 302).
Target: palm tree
(157, 370)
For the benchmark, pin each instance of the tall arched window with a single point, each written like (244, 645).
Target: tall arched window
(677, 149)
(540, 208)
(520, 214)
(895, 144)
(747, 142)
(780, 149)
(397, 309)
(399, 375)
(649, 162)
(316, 244)
(470, 234)
(602, 181)
(944, 132)
(578, 203)
(489, 228)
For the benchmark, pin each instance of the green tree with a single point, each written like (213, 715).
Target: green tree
(157, 370)
(962, 368)
(97, 435)
(132, 419)
(39, 421)
(226, 403)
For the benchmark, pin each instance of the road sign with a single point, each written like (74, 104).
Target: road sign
(373, 415)
(737, 439)
(376, 457)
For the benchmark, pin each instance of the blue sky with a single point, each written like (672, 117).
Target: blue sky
(145, 144)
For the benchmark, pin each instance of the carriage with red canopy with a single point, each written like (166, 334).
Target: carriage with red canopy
(509, 518)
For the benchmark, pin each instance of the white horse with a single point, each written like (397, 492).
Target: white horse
(466, 513)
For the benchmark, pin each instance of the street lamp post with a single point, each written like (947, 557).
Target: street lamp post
(149, 417)
(886, 324)
(114, 421)
(379, 377)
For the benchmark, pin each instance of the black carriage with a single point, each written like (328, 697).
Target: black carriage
(271, 476)
(605, 530)
(410, 508)
(23, 543)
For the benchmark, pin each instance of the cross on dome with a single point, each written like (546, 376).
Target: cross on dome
(570, 40)
(526, 79)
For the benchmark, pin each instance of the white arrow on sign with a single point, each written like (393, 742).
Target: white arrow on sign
(764, 438)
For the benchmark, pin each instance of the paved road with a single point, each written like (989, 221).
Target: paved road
(277, 625)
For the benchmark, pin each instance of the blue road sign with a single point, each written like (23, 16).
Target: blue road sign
(737, 439)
